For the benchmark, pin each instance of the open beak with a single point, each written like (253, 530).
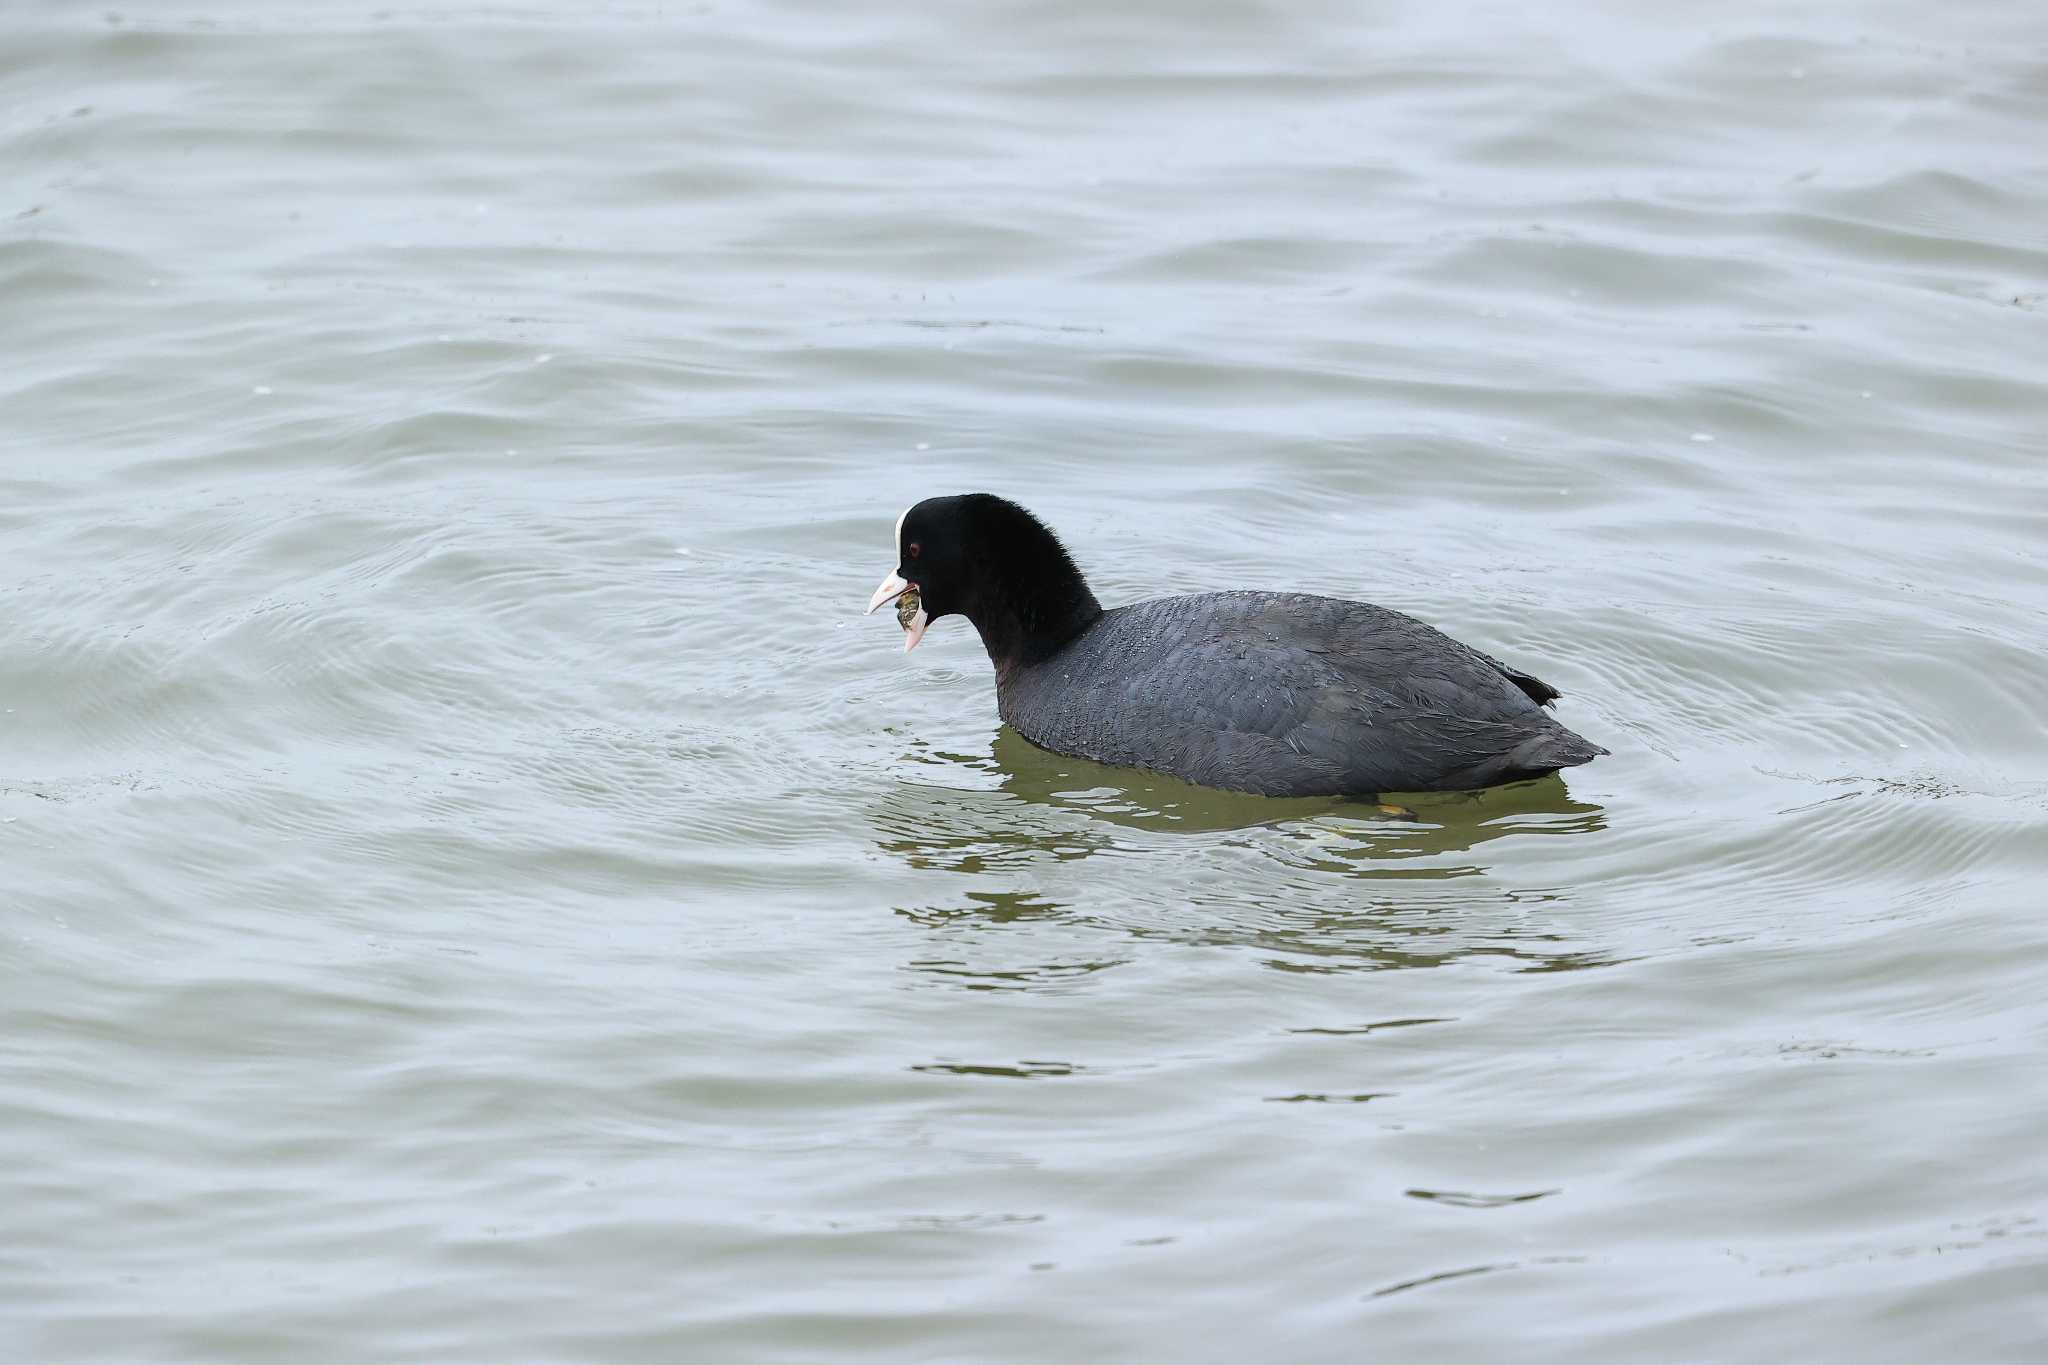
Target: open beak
(892, 588)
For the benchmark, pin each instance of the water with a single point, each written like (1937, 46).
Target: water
(475, 891)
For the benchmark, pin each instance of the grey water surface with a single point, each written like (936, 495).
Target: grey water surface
(473, 890)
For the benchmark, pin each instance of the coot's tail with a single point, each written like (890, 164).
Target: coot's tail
(1551, 748)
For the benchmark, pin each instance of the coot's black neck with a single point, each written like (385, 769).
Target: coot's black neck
(1031, 627)
(1029, 599)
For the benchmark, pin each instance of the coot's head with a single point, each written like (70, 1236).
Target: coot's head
(985, 558)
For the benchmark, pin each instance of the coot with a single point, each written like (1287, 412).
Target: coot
(1281, 694)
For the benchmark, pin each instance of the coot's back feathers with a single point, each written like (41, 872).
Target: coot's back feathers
(1288, 695)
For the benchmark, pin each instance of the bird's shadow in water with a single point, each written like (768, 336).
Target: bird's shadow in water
(1332, 884)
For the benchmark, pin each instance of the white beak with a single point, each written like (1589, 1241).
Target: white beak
(892, 588)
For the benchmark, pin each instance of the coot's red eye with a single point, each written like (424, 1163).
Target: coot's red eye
(914, 550)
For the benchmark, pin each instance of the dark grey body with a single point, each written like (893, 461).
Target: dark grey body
(1285, 694)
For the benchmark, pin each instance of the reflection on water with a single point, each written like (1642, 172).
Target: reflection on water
(1315, 885)
(1023, 1071)
(1134, 798)
(1444, 822)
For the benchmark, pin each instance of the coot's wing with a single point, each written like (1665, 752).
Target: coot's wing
(1288, 695)
(1229, 710)
(1298, 694)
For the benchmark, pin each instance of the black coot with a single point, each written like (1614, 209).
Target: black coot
(1282, 694)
